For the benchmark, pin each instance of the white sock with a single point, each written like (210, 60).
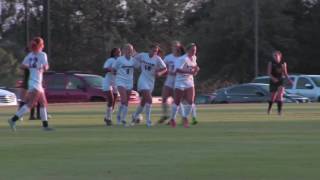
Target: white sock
(181, 110)
(124, 113)
(24, 109)
(165, 109)
(119, 113)
(187, 109)
(174, 111)
(148, 113)
(194, 111)
(43, 114)
(108, 113)
(138, 111)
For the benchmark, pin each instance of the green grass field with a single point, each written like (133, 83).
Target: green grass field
(231, 142)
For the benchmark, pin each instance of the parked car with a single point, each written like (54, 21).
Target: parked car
(304, 85)
(205, 98)
(252, 93)
(7, 98)
(75, 87)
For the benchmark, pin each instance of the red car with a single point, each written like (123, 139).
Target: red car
(76, 87)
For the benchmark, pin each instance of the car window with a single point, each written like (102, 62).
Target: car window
(74, 83)
(56, 82)
(301, 84)
(262, 80)
(243, 90)
(93, 81)
(316, 80)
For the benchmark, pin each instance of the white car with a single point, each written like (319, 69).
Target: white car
(7, 98)
(304, 85)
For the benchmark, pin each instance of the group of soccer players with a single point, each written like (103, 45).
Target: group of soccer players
(179, 67)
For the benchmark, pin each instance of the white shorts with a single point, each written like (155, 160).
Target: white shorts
(144, 85)
(109, 87)
(183, 85)
(126, 85)
(170, 81)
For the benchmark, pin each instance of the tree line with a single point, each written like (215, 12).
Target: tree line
(83, 32)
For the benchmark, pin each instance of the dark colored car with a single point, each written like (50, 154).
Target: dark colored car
(252, 93)
(75, 87)
(205, 98)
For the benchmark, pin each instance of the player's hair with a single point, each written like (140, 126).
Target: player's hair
(113, 52)
(36, 44)
(156, 45)
(191, 45)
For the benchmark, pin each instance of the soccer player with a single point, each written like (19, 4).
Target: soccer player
(36, 61)
(277, 69)
(151, 66)
(168, 88)
(186, 67)
(109, 86)
(124, 66)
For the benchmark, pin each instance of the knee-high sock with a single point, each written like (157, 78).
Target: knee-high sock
(138, 111)
(24, 109)
(124, 112)
(194, 111)
(270, 106)
(148, 113)
(43, 114)
(187, 109)
(108, 114)
(174, 111)
(181, 110)
(165, 107)
(119, 113)
(279, 103)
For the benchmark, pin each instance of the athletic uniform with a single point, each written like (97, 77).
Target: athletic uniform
(109, 79)
(35, 64)
(170, 62)
(124, 68)
(184, 81)
(149, 66)
(25, 80)
(276, 71)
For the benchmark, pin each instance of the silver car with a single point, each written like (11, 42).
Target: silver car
(305, 85)
(7, 98)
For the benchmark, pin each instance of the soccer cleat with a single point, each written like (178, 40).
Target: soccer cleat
(149, 124)
(124, 123)
(173, 123)
(48, 129)
(163, 119)
(194, 121)
(12, 125)
(186, 123)
(108, 122)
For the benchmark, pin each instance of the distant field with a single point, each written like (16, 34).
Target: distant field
(237, 142)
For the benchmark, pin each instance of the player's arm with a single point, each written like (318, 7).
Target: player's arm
(269, 73)
(285, 72)
(196, 70)
(162, 67)
(107, 67)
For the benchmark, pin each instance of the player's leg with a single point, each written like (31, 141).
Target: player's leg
(189, 96)
(148, 104)
(139, 109)
(123, 105)
(30, 101)
(108, 114)
(166, 93)
(43, 111)
(279, 99)
(178, 95)
(273, 92)
(194, 110)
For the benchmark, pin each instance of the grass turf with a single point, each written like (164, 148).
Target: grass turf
(231, 142)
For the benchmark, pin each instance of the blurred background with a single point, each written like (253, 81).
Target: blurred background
(235, 38)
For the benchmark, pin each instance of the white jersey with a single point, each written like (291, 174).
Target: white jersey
(124, 75)
(36, 63)
(185, 80)
(149, 66)
(170, 62)
(109, 79)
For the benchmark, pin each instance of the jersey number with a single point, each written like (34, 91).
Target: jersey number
(33, 63)
(128, 71)
(148, 68)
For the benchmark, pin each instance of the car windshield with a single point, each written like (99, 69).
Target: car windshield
(93, 81)
(316, 80)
